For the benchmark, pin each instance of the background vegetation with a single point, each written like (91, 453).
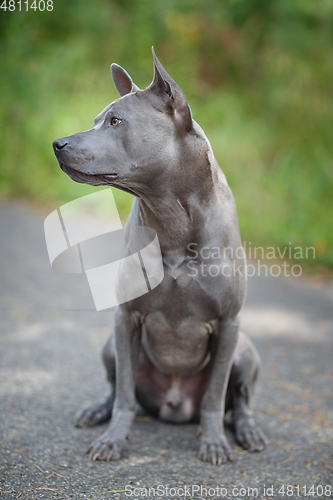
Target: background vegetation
(258, 75)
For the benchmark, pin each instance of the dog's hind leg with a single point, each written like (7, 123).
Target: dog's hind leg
(242, 380)
(101, 412)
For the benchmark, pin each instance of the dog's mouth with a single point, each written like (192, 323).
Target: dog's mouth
(92, 179)
(96, 179)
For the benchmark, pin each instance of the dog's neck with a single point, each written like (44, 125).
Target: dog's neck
(177, 217)
(173, 224)
(179, 205)
(171, 219)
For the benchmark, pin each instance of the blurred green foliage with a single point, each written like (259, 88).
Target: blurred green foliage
(258, 75)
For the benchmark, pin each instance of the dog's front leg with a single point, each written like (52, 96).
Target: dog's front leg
(127, 333)
(214, 446)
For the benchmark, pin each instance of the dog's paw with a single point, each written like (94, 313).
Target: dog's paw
(216, 453)
(109, 445)
(103, 449)
(94, 415)
(249, 436)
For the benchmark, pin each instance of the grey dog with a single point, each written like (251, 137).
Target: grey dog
(176, 350)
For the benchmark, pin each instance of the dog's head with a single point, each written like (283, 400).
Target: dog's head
(135, 140)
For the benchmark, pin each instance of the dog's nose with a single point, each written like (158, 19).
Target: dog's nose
(60, 144)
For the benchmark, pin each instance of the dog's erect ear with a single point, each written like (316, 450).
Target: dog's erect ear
(122, 80)
(166, 88)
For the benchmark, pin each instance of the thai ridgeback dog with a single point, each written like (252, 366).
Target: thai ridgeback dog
(177, 350)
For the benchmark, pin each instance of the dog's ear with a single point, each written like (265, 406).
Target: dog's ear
(170, 92)
(122, 80)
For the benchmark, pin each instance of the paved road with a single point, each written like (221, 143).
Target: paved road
(50, 365)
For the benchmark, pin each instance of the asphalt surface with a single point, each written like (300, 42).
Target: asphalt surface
(50, 366)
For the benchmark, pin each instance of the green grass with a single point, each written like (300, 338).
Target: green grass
(258, 75)
(282, 185)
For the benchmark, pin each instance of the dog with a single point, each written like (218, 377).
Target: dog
(176, 350)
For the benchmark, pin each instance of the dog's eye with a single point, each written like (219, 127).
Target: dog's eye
(115, 122)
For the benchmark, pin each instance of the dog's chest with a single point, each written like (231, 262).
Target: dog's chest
(188, 289)
(175, 345)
